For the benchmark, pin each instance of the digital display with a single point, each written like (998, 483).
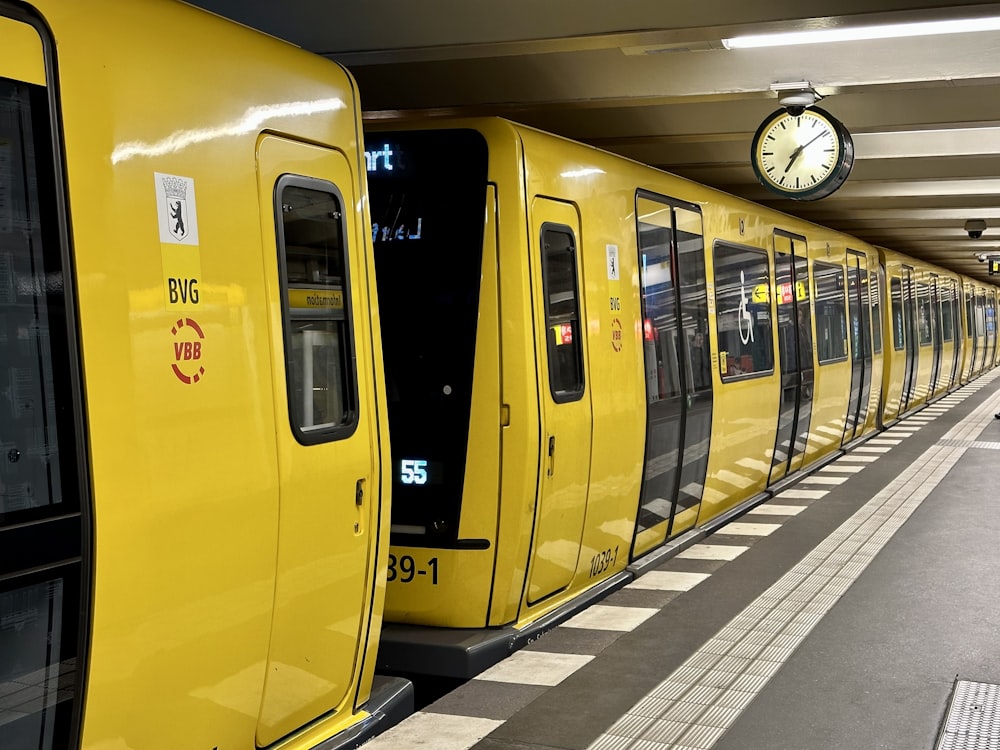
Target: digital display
(994, 266)
(413, 471)
(380, 160)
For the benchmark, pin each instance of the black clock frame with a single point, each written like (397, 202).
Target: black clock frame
(838, 175)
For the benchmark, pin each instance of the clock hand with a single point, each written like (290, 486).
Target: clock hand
(800, 149)
(793, 157)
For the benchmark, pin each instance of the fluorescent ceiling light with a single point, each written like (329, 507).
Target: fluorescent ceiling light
(887, 31)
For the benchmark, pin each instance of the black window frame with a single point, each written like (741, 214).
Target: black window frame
(347, 345)
(725, 376)
(579, 385)
(52, 544)
(821, 302)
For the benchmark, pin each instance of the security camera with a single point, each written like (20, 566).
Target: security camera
(975, 228)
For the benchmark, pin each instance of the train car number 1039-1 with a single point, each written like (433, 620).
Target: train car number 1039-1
(404, 569)
(602, 561)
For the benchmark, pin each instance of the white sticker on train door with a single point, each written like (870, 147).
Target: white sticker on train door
(175, 208)
(179, 251)
(613, 270)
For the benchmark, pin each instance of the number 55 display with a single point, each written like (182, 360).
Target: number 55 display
(413, 471)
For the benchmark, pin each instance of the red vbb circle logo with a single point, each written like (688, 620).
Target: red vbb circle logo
(188, 338)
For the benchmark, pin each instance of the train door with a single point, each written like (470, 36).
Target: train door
(991, 331)
(933, 315)
(859, 310)
(961, 333)
(44, 505)
(970, 335)
(950, 327)
(678, 367)
(909, 291)
(327, 436)
(795, 353)
(981, 333)
(876, 283)
(566, 418)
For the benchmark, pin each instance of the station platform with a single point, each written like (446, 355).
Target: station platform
(858, 608)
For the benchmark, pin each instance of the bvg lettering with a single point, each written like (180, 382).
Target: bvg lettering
(183, 290)
(187, 350)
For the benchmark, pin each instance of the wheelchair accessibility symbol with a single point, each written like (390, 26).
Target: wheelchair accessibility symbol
(744, 314)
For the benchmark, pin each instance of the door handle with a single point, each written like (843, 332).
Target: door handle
(359, 492)
(552, 454)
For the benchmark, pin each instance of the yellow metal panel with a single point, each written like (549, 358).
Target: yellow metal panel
(184, 473)
(326, 539)
(22, 52)
(744, 422)
(430, 586)
(564, 474)
(479, 520)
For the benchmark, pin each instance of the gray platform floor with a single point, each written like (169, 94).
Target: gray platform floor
(840, 614)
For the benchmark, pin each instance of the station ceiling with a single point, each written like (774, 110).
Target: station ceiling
(651, 80)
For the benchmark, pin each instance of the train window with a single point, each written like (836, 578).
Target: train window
(322, 395)
(856, 307)
(41, 569)
(831, 313)
(875, 294)
(659, 301)
(969, 315)
(743, 311)
(896, 290)
(562, 313)
(925, 315)
(947, 321)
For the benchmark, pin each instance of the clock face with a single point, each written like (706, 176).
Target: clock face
(804, 156)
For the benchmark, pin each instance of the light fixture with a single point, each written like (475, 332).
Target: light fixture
(796, 97)
(859, 33)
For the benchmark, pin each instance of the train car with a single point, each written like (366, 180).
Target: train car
(194, 490)
(925, 331)
(589, 363)
(980, 332)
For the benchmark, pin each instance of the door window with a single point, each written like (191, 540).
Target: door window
(562, 313)
(743, 304)
(322, 395)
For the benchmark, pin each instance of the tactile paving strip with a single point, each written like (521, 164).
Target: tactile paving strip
(988, 444)
(973, 722)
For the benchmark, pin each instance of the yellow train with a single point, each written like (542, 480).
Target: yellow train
(582, 364)
(194, 492)
(590, 362)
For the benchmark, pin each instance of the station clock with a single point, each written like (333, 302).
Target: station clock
(803, 154)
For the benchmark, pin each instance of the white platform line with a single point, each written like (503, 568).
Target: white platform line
(749, 529)
(818, 479)
(797, 494)
(607, 617)
(535, 668)
(667, 580)
(839, 467)
(712, 552)
(772, 509)
(437, 731)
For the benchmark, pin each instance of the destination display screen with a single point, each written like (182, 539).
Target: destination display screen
(427, 192)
